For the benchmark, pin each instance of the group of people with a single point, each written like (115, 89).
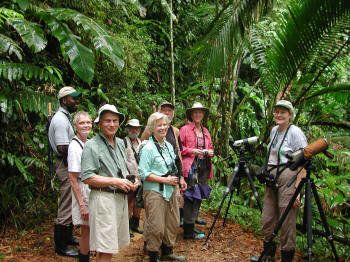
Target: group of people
(101, 177)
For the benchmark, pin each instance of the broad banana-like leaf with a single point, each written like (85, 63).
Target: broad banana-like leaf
(31, 33)
(101, 38)
(19, 71)
(7, 45)
(5, 13)
(81, 58)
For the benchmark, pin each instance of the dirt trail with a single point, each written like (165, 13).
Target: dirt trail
(230, 243)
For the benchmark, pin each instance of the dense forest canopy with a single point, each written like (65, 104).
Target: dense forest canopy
(236, 56)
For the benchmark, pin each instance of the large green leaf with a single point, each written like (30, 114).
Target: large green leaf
(227, 30)
(7, 45)
(31, 33)
(17, 71)
(5, 13)
(81, 58)
(311, 34)
(101, 38)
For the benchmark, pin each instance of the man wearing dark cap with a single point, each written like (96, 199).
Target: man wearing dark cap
(60, 135)
(103, 168)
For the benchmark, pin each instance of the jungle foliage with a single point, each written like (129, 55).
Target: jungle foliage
(236, 56)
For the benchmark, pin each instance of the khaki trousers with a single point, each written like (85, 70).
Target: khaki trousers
(274, 206)
(64, 212)
(162, 221)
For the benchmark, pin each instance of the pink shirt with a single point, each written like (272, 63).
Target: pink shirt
(189, 141)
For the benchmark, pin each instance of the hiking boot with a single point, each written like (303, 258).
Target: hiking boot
(153, 256)
(134, 224)
(200, 221)
(287, 256)
(189, 232)
(168, 255)
(61, 235)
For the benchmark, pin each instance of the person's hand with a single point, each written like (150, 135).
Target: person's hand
(171, 180)
(123, 184)
(84, 212)
(198, 152)
(154, 108)
(297, 202)
(183, 184)
(210, 153)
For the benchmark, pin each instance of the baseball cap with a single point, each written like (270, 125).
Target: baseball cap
(166, 103)
(286, 104)
(110, 108)
(68, 91)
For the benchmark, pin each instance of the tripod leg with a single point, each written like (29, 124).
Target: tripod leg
(308, 219)
(251, 182)
(227, 209)
(278, 226)
(324, 220)
(228, 189)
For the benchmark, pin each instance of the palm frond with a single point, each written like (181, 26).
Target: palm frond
(7, 45)
(341, 89)
(31, 33)
(18, 71)
(101, 38)
(312, 27)
(226, 31)
(6, 13)
(27, 100)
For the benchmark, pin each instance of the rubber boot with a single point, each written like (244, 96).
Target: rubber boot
(168, 255)
(61, 234)
(181, 217)
(130, 230)
(287, 256)
(270, 255)
(135, 223)
(190, 234)
(84, 258)
(153, 256)
(72, 240)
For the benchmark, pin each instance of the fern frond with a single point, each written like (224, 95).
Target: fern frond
(17, 71)
(341, 88)
(7, 45)
(5, 13)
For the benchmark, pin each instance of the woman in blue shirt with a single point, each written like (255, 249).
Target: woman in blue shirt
(158, 171)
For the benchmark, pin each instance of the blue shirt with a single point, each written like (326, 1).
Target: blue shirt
(151, 162)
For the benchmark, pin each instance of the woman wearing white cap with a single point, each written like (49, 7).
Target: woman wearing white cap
(284, 138)
(197, 169)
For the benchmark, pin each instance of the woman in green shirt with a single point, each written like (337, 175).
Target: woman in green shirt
(158, 171)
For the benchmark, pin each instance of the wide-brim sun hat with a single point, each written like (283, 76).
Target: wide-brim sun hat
(68, 91)
(133, 122)
(197, 105)
(287, 105)
(110, 108)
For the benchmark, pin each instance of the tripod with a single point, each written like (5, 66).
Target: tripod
(310, 188)
(241, 169)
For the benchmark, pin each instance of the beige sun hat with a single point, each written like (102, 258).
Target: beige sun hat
(133, 122)
(67, 91)
(110, 108)
(197, 105)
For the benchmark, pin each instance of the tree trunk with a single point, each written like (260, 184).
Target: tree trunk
(172, 55)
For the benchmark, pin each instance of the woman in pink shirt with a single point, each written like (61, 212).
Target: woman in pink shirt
(196, 164)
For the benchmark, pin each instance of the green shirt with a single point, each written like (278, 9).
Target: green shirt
(151, 162)
(101, 158)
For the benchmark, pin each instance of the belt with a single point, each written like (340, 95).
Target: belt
(109, 190)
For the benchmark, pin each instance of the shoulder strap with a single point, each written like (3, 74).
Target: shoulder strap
(78, 142)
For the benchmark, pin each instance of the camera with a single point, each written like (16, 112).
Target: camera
(131, 178)
(265, 177)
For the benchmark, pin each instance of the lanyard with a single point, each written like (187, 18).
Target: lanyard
(113, 155)
(160, 152)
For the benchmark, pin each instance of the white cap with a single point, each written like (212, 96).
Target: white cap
(67, 91)
(110, 108)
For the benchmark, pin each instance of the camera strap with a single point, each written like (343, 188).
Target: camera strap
(278, 152)
(161, 154)
(126, 143)
(113, 155)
